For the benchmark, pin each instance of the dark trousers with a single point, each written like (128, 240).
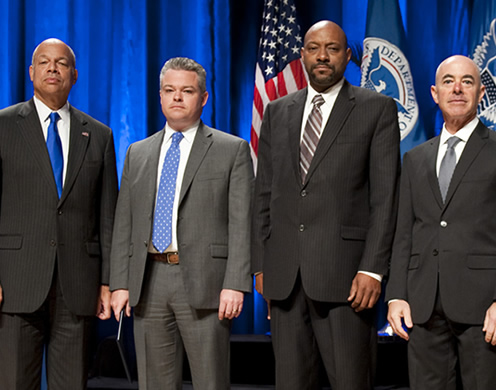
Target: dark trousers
(303, 328)
(53, 329)
(439, 347)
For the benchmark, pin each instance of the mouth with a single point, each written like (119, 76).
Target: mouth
(322, 67)
(52, 80)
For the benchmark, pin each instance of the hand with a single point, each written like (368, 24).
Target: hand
(490, 324)
(1, 295)
(103, 311)
(259, 288)
(364, 292)
(397, 311)
(119, 301)
(231, 304)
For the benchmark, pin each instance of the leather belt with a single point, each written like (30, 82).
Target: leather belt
(168, 257)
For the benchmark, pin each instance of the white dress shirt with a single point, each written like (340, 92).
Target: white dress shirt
(464, 134)
(185, 149)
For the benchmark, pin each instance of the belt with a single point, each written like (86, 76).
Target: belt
(169, 257)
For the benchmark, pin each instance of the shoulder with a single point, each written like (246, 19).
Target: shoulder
(292, 98)
(223, 137)
(366, 95)
(87, 120)
(16, 109)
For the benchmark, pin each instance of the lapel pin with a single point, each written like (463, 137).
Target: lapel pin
(85, 133)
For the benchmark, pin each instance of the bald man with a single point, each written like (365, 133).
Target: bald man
(324, 214)
(58, 190)
(443, 268)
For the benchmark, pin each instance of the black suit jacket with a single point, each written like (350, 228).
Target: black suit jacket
(39, 231)
(450, 246)
(342, 219)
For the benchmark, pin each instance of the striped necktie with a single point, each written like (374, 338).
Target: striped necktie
(311, 136)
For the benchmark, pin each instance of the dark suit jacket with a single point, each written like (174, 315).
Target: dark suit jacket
(37, 230)
(342, 219)
(213, 228)
(449, 246)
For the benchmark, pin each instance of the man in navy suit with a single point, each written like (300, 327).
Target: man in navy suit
(55, 228)
(443, 267)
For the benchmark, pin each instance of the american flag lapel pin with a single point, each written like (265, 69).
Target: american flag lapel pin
(85, 134)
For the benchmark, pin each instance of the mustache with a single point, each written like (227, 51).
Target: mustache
(330, 66)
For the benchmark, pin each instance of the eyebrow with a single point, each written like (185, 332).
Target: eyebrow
(469, 76)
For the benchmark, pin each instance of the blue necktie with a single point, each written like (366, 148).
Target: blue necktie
(162, 221)
(55, 151)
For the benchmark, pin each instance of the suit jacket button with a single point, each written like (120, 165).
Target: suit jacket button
(53, 243)
(435, 252)
(302, 227)
(444, 224)
(303, 193)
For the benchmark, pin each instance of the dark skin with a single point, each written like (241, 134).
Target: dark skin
(325, 55)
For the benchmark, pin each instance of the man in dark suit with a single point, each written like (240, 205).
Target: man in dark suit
(443, 268)
(324, 218)
(56, 215)
(185, 273)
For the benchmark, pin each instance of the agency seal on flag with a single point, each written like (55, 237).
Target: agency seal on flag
(385, 69)
(485, 58)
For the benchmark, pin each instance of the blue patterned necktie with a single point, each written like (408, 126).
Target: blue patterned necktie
(54, 147)
(162, 221)
(447, 167)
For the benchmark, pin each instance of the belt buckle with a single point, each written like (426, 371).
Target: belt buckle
(172, 257)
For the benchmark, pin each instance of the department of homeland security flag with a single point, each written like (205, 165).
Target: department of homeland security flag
(385, 68)
(279, 69)
(482, 47)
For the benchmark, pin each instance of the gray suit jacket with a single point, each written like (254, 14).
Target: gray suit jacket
(213, 217)
(342, 219)
(37, 230)
(449, 246)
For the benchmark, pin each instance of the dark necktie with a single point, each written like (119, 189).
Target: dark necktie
(447, 166)
(162, 221)
(311, 136)
(54, 147)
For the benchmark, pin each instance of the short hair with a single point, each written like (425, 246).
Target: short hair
(55, 40)
(183, 63)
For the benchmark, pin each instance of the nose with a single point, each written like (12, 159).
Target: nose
(52, 67)
(323, 55)
(457, 86)
(178, 96)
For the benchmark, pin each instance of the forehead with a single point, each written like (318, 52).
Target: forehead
(53, 50)
(326, 34)
(458, 68)
(180, 78)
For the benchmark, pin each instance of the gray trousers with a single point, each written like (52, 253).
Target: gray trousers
(165, 325)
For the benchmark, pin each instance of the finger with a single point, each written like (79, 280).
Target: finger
(353, 291)
(268, 309)
(128, 310)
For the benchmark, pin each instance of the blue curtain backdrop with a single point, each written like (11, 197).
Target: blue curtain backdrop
(121, 45)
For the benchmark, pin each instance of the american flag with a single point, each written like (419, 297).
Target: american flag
(279, 69)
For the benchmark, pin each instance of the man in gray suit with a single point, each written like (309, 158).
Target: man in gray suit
(182, 260)
(58, 189)
(324, 214)
(443, 268)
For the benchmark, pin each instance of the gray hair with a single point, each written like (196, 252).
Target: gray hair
(183, 63)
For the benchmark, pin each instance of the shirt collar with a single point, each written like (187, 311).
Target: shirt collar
(44, 111)
(464, 133)
(189, 133)
(329, 94)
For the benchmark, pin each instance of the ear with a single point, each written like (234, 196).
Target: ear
(204, 98)
(434, 93)
(31, 72)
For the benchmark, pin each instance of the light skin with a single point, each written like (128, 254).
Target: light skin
(182, 104)
(53, 73)
(458, 91)
(325, 55)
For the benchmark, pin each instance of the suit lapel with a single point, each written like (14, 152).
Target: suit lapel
(30, 128)
(430, 168)
(201, 144)
(345, 102)
(151, 170)
(474, 145)
(79, 140)
(295, 117)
